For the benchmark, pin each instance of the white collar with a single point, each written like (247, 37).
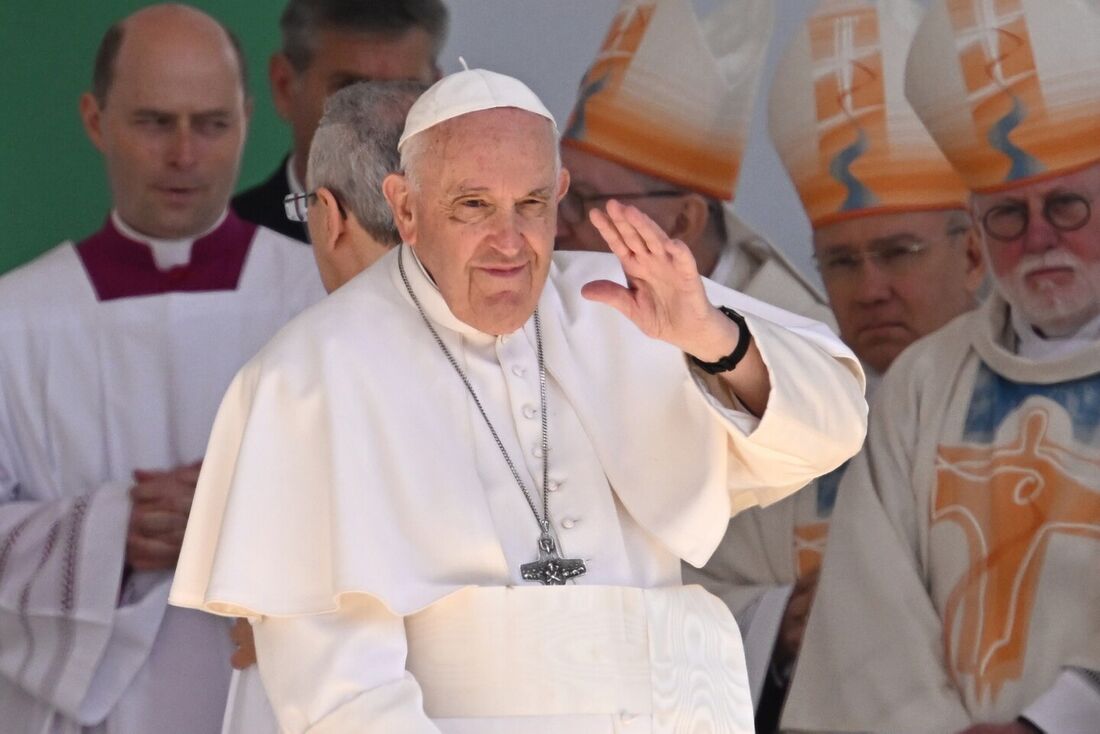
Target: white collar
(1030, 345)
(292, 181)
(723, 267)
(167, 254)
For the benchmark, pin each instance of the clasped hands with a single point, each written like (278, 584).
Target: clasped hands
(161, 502)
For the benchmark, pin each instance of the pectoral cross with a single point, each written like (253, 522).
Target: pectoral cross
(551, 569)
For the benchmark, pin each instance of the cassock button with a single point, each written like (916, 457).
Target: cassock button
(519, 370)
(568, 523)
(554, 486)
(537, 452)
(530, 411)
(626, 717)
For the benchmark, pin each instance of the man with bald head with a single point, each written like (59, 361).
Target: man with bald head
(113, 353)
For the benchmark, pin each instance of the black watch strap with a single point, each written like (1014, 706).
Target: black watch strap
(727, 363)
(1031, 727)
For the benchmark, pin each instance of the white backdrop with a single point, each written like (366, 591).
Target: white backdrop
(549, 45)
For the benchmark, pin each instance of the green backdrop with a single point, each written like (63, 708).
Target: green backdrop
(52, 185)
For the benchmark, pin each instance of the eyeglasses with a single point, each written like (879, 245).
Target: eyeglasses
(893, 257)
(297, 205)
(1065, 212)
(574, 206)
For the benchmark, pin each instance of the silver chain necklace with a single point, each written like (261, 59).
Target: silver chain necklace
(550, 569)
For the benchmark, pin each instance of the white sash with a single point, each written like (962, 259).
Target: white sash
(670, 655)
(574, 659)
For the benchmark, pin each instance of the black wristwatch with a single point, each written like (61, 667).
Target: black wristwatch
(727, 363)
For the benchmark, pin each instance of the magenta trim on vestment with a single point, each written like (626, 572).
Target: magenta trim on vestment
(119, 267)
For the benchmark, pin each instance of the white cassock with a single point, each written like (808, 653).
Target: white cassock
(765, 549)
(354, 500)
(114, 353)
(960, 582)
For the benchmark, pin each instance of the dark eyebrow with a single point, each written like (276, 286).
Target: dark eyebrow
(895, 239)
(836, 247)
(149, 112)
(343, 79)
(1060, 191)
(1008, 201)
(204, 114)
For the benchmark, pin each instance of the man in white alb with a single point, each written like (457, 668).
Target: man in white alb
(114, 352)
(455, 496)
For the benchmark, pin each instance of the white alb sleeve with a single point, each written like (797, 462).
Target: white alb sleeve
(1070, 706)
(341, 671)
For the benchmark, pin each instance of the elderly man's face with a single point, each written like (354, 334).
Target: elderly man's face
(342, 58)
(481, 211)
(893, 278)
(172, 128)
(1050, 271)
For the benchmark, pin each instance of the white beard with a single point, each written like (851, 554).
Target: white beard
(1055, 310)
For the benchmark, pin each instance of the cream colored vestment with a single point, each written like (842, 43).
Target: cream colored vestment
(351, 485)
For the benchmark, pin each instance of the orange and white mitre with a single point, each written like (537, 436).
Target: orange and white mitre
(672, 96)
(839, 118)
(1009, 89)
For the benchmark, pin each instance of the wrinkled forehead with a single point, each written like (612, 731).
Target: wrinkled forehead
(506, 137)
(500, 123)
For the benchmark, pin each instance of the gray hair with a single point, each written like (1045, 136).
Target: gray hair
(355, 148)
(303, 19)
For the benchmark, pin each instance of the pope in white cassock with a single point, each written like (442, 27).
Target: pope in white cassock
(455, 495)
(114, 352)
